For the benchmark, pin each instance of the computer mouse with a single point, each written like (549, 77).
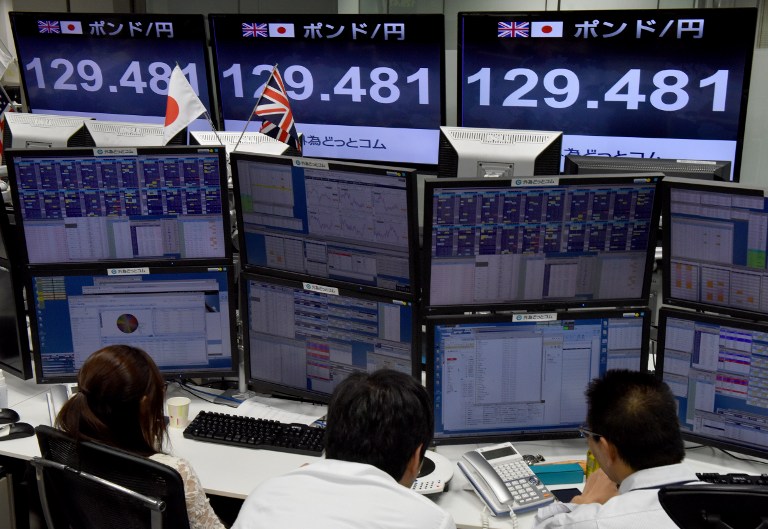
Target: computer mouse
(7, 416)
(16, 430)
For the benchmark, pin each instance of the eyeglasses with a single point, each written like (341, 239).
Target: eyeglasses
(587, 433)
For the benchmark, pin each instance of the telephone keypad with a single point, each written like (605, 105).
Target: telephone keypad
(522, 482)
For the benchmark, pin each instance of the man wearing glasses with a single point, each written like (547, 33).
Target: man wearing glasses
(633, 432)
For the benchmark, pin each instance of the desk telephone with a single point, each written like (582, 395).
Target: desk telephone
(503, 480)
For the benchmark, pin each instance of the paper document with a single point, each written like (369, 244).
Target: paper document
(253, 408)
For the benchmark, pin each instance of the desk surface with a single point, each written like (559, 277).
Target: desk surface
(234, 472)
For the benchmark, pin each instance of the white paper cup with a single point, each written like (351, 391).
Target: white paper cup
(178, 412)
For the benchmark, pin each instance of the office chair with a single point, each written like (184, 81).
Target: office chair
(92, 486)
(716, 506)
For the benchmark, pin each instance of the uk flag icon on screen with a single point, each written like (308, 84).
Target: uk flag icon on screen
(255, 29)
(509, 30)
(48, 26)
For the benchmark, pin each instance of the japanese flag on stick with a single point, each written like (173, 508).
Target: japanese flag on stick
(274, 108)
(183, 105)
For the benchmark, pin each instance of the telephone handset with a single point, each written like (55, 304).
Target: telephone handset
(503, 479)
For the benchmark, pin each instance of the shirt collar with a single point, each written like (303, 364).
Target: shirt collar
(657, 477)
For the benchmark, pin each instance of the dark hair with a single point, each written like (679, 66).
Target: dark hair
(379, 419)
(637, 413)
(119, 401)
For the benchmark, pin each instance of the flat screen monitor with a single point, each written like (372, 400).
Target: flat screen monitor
(700, 169)
(489, 153)
(126, 134)
(254, 142)
(715, 247)
(121, 204)
(109, 66)
(514, 243)
(716, 368)
(351, 224)
(302, 339)
(15, 354)
(523, 376)
(669, 83)
(183, 316)
(42, 131)
(361, 87)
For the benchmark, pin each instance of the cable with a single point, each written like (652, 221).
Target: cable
(726, 452)
(199, 393)
(485, 523)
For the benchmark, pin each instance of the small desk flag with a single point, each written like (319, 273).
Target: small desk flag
(274, 108)
(183, 106)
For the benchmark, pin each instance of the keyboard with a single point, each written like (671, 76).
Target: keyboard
(733, 479)
(248, 432)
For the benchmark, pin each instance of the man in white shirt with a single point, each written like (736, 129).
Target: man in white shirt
(379, 426)
(634, 434)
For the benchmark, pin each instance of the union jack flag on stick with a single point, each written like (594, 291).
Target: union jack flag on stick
(274, 108)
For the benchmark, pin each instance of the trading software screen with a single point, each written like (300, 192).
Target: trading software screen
(121, 204)
(717, 247)
(525, 375)
(303, 339)
(181, 316)
(352, 223)
(717, 368)
(507, 242)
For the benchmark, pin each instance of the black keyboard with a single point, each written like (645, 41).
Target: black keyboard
(248, 432)
(733, 479)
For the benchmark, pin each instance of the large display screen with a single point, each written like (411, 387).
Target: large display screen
(524, 375)
(109, 66)
(184, 317)
(501, 244)
(716, 246)
(343, 222)
(121, 204)
(361, 87)
(647, 84)
(717, 369)
(303, 339)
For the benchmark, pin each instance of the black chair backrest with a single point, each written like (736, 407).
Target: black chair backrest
(716, 506)
(139, 474)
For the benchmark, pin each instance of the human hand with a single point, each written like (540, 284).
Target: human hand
(598, 489)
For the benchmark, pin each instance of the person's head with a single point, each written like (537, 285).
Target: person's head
(383, 419)
(633, 416)
(119, 401)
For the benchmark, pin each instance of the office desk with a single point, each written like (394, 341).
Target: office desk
(233, 472)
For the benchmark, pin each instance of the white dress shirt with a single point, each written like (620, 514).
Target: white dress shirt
(333, 494)
(635, 507)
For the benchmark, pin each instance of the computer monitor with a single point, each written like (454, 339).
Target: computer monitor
(523, 376)
(183, 316)
(348, 224)
(253, 142)
(109, 66)
(648, 83)
(126, 134)
(490, 153)
(121, 204)
(716, 368)
(303, 339)
(361, 87)
(518, 243)
(15, 354)
(715, 247)
(42, 131)
(698, 169)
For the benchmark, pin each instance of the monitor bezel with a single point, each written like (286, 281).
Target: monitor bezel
(91, 152)
(581, 164)
(433, 321)
(127, 17)
(169, 268)
(666, 263)
(526, 183)
(282, 390)
(722, 320)
(408, 174)
(24, 369)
